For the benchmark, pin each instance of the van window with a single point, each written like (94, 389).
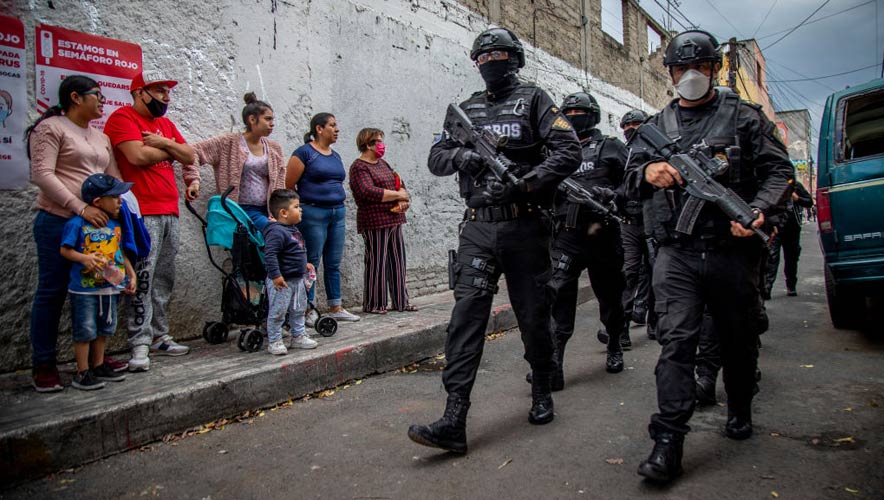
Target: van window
(863, 126)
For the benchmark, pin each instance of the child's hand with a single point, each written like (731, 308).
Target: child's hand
(279, 283)
(310, 267)
(94, 262)
(130, 288)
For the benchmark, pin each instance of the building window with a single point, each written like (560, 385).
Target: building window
(612, 19)
(758, 75)
(654, 40)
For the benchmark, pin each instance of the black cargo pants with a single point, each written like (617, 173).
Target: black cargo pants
(724, 281)
(636, 267)
(519, 249)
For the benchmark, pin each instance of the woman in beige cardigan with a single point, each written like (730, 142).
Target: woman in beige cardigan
(249, 161)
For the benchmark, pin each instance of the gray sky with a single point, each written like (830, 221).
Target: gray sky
(843, 42)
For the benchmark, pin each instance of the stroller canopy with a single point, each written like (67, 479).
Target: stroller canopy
(221, 225)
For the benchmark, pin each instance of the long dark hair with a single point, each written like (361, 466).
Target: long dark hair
(254, 107)
(73, 83)
(318, 120)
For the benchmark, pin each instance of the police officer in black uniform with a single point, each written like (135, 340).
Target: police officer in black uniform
(587, 240)
(716, 266)
(636, 255)
(789, 239)
(502, 231)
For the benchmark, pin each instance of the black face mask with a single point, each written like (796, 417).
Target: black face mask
(495, 73)
(629, 133)
(583, 124)
(156, 107)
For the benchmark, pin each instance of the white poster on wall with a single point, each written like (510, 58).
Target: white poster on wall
(13, 105)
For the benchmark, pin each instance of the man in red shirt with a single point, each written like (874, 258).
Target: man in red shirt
(145, 145)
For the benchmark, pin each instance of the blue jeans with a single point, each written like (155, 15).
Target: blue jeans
(93, 315)
(324, 231)
(53, 275)
(258, 214)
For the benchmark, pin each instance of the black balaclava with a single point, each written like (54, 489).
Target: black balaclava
(499, 75)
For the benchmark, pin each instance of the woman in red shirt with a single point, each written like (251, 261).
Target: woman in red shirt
(381, 203)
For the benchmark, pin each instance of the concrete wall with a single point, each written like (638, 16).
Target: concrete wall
(392, 64)
(800, 152)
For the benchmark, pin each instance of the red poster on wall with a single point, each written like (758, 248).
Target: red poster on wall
(13, 104)
(61, 52)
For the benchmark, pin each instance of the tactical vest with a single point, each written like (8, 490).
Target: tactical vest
(510, 117)
(588, 174)
(719, 136)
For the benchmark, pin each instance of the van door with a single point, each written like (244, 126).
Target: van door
(856, 176)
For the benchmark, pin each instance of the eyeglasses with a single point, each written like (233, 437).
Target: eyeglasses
(96, 93)
(494, 55)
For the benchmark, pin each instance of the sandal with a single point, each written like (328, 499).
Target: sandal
(375, 311)
(409, 308)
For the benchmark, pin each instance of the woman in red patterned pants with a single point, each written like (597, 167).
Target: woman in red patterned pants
(381, 203)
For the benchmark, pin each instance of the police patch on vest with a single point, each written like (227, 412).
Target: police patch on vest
(561, 124)
(513, 130)
(585, 167)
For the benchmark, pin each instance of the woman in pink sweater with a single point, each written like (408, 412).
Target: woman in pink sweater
(248, 161)
(64, 151)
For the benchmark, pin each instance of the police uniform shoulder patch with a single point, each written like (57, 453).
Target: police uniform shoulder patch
(561, 124)
(554, 109)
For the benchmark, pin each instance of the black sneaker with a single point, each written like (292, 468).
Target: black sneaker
(106, 373)
(86, 381)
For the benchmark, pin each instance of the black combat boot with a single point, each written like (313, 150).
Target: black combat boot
(739, 425)
(664, 463)
(625, 341)
(639, 313)
(706, 390)
(652, 331)
(450, 431)
(602, 335)
(614, 362)
(541, 398)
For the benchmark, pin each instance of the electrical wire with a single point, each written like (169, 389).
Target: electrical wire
(799, 25)
(817, 19)
(772, 5)
(822, 77)
(737, 31)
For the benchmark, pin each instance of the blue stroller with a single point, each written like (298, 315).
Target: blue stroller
(244, 295)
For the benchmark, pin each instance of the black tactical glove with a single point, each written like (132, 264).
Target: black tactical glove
(603, 195)
(497, 192)
(469, 162)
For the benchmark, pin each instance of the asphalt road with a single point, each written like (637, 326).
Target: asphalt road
(819, 423)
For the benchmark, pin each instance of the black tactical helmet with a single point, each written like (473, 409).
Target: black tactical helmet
(585, 102)
(633, 116)
(691, 47)
(499, 39)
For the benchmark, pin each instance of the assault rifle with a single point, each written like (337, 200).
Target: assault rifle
(696, 171)
(483, 141)
(580, 195)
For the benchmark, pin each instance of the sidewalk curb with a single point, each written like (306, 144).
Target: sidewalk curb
(63, 441)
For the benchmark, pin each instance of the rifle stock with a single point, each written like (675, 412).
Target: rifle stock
(484, 142)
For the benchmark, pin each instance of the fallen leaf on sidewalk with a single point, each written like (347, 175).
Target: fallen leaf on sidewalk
(845, 440)
(774, 494)
(222, 452)
(814, 441)
(851, 490)
(848, 409)
(806, 366)
(358, 382)
(507, 462)
(767, 477)
(873, 403)
(614, 461)
(775, 434)
(261, 414)
(66, 481)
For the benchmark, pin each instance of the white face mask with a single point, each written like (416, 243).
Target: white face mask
(693, 85)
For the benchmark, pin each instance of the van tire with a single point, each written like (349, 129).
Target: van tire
(847, 310)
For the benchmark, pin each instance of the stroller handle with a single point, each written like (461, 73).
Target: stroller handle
(226, 208)
(195, 213)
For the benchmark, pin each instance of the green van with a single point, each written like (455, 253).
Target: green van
(850, 200)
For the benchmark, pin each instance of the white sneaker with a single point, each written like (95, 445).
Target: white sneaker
(277, 348)
(303, 342)
(310, 318)
(343, 315)
(166, 346)
(140, 361)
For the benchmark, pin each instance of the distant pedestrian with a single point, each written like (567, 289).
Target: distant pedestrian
(381, 201)
(145, 145)
(100, 271)
(789, 239)
(317, 172)
(248, 161)
(64, 151)
(285, 257)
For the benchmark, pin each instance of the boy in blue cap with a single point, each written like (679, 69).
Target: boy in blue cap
(101, 270)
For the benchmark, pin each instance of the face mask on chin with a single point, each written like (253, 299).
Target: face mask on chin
(629, 133)
(693, 85)
(156, 107)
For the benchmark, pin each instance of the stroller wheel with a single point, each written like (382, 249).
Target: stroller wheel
(215, 332)
(326, 326)
(241, 342)
(254, 340)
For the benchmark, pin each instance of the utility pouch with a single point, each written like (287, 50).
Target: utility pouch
(452, 269)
